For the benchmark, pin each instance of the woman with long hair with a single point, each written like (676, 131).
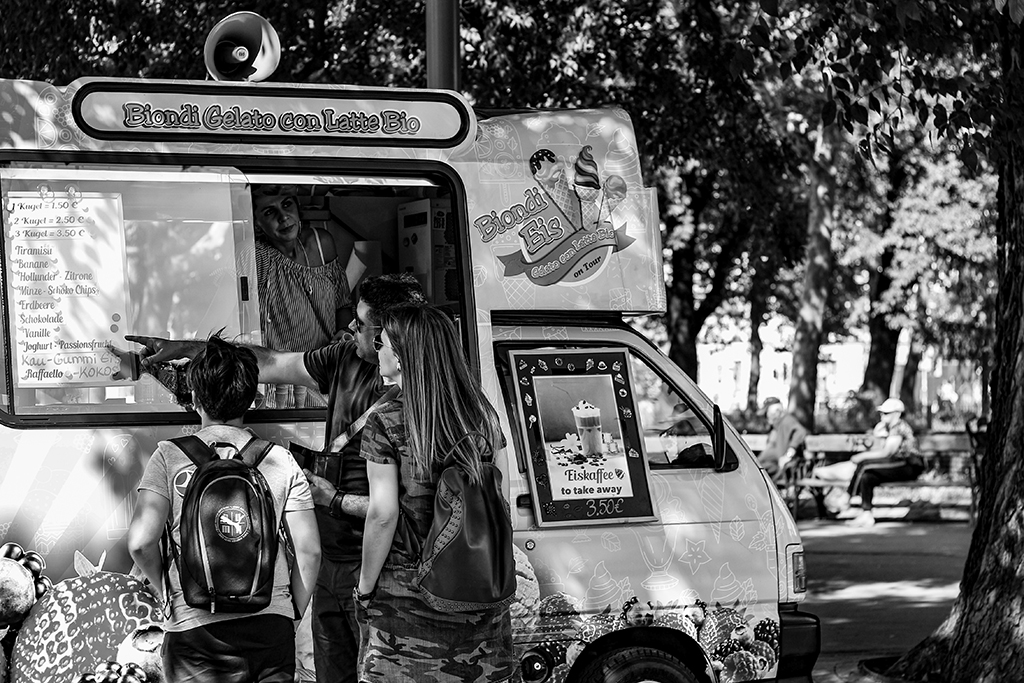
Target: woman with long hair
(405, 443)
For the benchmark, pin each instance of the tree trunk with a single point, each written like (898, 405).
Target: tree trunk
(683, 341)
(682, 338)
(882, 352)
(816, 285)
(758, 313)
(908, 383)
(881, 361)
(981, 639)
(986, 383)
(756, 346)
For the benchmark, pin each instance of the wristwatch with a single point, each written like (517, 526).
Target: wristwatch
(334, 508)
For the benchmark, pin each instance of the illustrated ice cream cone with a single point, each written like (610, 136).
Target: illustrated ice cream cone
(622, 159)
(614, 193)
(727, 588)
(588, 427)
(552, 175)
(590, 205)
(587, 186)
(603, 589)
(566, 200)
(520, 292)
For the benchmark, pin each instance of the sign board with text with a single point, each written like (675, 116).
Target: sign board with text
(67, 292)
(109, 109)
(578, 416)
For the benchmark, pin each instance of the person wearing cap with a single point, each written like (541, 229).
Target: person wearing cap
(896, 459)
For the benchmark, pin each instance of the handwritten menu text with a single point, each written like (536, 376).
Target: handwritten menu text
(68, 293)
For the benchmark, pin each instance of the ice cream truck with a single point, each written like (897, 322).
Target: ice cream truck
(649, 544)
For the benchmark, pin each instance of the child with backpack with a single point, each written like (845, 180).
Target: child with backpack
(434, 585)
(210, 528)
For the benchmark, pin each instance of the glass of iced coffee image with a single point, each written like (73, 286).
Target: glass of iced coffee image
(588, 427)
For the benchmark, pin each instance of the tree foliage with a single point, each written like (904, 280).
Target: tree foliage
(943, 241)
(954, 66)
(885, 62)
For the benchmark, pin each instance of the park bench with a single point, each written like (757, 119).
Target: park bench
(950, 461)
(950, 467)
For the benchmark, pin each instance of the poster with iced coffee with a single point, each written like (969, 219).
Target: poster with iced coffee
(579, 420)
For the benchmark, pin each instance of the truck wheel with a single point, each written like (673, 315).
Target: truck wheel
(636, 664)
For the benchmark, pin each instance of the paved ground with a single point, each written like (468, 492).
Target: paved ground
(879, 591)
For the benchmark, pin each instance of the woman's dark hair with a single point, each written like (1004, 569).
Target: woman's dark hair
(442, 401)
(224, 378)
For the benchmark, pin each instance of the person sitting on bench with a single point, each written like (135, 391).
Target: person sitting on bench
(785, 441)
(897, 459)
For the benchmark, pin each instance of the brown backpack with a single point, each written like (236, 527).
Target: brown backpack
(466, 562)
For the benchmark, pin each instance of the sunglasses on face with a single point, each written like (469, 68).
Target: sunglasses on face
(358, 325)
(378, 344)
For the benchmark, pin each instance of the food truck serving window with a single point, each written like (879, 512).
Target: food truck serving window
(364, 225)
(96, 252)
(92, 253)
(585, 452)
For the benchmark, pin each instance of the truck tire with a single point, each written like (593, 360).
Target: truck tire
(636, 664)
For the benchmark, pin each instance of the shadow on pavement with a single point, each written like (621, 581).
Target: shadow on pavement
(879, 591)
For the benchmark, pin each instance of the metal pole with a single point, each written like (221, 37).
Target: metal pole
(443, 44)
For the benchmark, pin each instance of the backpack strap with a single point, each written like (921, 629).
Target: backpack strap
(257, 445)
(200, 453)
(195, 448)
(360, 422)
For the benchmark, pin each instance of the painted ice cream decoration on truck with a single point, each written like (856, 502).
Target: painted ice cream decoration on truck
(553, 178)
(574, 245)
(588, 187)
(577, 228)
(738, 638)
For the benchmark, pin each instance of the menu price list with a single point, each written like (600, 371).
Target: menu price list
(67, 285)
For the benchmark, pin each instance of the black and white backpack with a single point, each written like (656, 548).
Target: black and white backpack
(228, 531)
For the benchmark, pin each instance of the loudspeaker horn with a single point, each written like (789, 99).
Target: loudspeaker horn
(242, 47)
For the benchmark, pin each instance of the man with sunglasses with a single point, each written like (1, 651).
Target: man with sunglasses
(347, 373)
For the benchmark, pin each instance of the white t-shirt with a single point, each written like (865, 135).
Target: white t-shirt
(168, 474)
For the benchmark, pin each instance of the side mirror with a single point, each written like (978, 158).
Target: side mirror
(725, 459)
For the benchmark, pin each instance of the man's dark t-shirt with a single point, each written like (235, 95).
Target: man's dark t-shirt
(352, 386)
